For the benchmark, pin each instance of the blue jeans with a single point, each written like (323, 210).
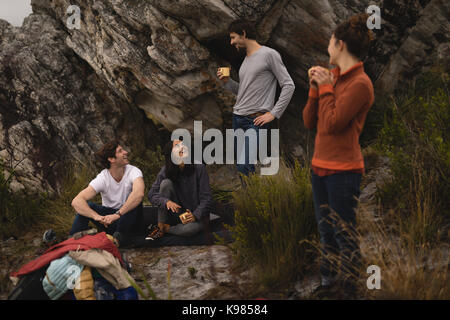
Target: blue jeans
(127, 224)
(338, 192)
(246, 123)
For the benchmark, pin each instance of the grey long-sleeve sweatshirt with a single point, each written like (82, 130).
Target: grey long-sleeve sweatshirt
(257, 84)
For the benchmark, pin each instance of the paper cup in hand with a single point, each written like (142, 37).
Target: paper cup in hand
(311, 69)
(183, 217)
(225, 71)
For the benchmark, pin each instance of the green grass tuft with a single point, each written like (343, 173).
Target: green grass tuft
(273, 215)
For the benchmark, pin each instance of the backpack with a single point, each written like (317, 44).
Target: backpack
(30, 287)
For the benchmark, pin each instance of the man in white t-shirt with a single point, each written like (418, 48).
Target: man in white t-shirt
(121, 187)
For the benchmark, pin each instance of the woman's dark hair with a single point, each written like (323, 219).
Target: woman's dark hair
(242, 25)
(172, 170)
(355, 33)
(107, 151)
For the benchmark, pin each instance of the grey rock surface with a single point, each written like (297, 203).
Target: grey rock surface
(197, 272)
(53, 107)
(138, 65)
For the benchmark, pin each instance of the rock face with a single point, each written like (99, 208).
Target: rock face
(198, 272)
(135, 65)
(426, 42)
(53, 107)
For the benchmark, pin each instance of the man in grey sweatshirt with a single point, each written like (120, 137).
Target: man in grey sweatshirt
(259, 73)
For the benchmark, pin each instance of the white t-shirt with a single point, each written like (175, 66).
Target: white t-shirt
(114, 194)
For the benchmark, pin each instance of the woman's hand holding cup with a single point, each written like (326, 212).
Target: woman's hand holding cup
(319, 75)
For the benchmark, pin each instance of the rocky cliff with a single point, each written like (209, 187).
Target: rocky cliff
(138, 65)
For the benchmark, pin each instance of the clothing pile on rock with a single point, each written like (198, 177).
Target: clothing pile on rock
(84, 267)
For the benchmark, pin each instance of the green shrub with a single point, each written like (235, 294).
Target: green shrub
(150, 163)
(374, 121)
(18, 212)
(415, 136)
(59, 214)
(221, 196)
(273, 215)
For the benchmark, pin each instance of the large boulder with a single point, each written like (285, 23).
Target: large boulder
(135, 65)
(53, 108)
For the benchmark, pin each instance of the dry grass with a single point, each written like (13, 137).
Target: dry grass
(408, 271)
(415, 137)
(59, 213)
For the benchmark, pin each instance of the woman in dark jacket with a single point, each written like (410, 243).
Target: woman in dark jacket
(182, 193)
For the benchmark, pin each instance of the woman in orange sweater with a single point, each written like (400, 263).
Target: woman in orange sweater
(337, 107)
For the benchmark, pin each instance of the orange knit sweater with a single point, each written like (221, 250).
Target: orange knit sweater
(338, 113)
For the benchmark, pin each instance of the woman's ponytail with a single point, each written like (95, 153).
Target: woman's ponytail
(355, 33)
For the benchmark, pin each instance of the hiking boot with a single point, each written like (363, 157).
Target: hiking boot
(155, 232)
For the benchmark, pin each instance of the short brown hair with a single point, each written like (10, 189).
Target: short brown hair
(356, 35)
(239, 26)
(107, 151)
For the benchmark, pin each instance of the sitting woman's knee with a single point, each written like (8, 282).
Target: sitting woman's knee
(186, 230)
(191, 229)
